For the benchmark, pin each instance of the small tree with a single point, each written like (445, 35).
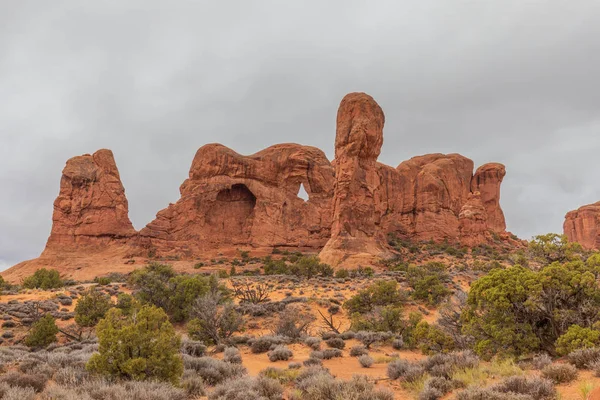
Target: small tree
(42, 333)
(427, 282)
(381, 293)
(92, 307)
(213, 321)
(43, 279)
(552, 247)
(141, 346)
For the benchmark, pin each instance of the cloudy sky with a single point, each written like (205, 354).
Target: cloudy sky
(512, 81)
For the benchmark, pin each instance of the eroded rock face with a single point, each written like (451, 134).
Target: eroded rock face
(487, 181)
(91, 208)
(355, 230)
(230, 199)
(583, 226)
(473, 226)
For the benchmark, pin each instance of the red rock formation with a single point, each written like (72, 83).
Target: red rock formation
(487, 181)
(91, 208)
(355, 231)
(473, 227)
(230, 199)
(583, 226)
(434, 188)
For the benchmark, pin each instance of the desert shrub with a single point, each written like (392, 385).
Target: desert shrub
(535, 387)
(313, 342)
(502, 313)
(102, 280)
(43, 279)
(232, 355)
(214, 321)
(312, 362)
(560, 373)
(478, 393)
(42, 333)
(283, 376)
(336, 343)
(248, 388)
(125, 303)
(347, 335)
(539, 361)
(405, 370)
(141, 346)
(431, 339)
(357, 351)
(280, 353)
(328, 354)
(576, 338)
(92, 307)
(36, 382)
(365, 361)
(584, 358)
(428, 282)
(69, 376)
(148, 390)
(160, 285)
(320, 385)
(214, 371)
(293, 323)
(294, 365)
(8, 392)
(275, 267)
(193, 348)
(309, 267)
(367, 338)
(398, 343)
(265, 343)
(381, 293)
(342, 273)
(193, 385)
(438, 384)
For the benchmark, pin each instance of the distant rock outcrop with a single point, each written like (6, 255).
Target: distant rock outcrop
(91, 209)
(231, 201)
(583, 226)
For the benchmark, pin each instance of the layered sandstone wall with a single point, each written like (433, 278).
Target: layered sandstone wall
(583, 226)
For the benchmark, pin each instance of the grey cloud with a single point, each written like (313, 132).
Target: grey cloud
(510, 81)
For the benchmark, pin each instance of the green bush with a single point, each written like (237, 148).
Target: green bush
(577, 338)
(158, 284)
(43, 279)
(102, 280)
(428, 282)
(342, 273)
(381, 293)
(139, 347)
(42, 333)
(92, 307)
(431, 339)
(519, 311)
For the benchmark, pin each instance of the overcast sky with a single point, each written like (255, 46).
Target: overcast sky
(511, 81)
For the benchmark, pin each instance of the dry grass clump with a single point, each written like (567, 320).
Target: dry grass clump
(560, 373)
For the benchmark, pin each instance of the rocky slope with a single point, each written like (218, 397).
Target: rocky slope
(232, 201)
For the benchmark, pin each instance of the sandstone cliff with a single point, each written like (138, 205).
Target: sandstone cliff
(583, 226)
